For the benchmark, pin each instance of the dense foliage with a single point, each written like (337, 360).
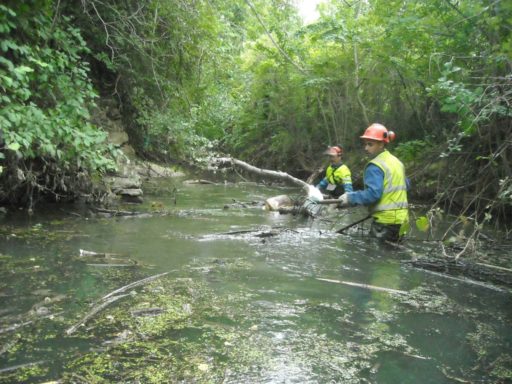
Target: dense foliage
(50, 145)
(248, 78)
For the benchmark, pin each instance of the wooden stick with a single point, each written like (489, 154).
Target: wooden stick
(465, 280)
(134, 284)
(366, 286)
(111, 265)
(110, 298)
(93, 312)
(495, 267)
(329, 201)
(354, 223)
(18, 325)
(16, 367)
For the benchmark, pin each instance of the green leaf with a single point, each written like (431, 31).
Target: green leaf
(22, 69)
(6, 80)
(449, 108)
(38, 62)
(14, 146)
(404, 228)
(422, 223)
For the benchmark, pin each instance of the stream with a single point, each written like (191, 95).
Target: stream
(240, 300)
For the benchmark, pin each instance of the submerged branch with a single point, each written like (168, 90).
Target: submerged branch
(478, 271)
(366, 286)
(13, 327)
(134, 284)
(93, 312)
(110, 298)
(19, 366)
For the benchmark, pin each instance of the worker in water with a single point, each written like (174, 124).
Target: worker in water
(338, 179)
(385, 187)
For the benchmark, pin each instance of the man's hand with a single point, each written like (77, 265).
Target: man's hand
(343, 201)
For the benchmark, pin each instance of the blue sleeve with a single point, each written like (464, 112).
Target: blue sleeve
(373, 187)
(348, 187)
(322, 184)
(408, 184)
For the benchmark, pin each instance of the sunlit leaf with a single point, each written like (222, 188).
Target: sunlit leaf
(422, 223)
(404, 228)
(14, 146)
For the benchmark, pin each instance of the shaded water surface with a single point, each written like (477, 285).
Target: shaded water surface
(241, 303)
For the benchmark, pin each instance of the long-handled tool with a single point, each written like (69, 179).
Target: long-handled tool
(328, 201)
(354, 223)
(336, 201)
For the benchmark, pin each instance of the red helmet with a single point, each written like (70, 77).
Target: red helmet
(334, 151)
(378, 132)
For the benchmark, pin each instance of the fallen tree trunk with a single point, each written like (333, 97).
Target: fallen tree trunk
(261, 172)
(477, 271)
(283, 203)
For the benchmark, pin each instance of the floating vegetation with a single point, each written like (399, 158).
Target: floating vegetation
(188, 338)
(485, 342)
(428, 300)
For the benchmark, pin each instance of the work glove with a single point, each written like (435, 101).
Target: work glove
(343, 201)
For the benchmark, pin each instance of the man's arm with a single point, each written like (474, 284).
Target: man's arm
(374, 186)
(322, 184)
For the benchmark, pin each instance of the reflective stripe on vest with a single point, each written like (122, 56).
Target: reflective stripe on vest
(392, 206)
(338, 176)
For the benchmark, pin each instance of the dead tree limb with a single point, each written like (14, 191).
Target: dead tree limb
(19, 366)
(22, 324)
(310, 206)
(457, 267)
(365, 286)
(93, 312)
(134, 284)
(261, 172)
(110, 298)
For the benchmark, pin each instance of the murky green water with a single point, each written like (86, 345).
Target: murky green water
(241, 303)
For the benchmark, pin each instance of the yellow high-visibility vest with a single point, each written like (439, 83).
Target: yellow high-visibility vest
(392, 208)
(338, 176)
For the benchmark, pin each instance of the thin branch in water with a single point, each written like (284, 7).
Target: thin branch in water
(16, 367)
(93, 312)
(19, 325)
(365, 286)
(110, 298)
(134, 284)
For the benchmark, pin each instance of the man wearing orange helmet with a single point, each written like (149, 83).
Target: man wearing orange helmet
(385, 186)
(338, 178)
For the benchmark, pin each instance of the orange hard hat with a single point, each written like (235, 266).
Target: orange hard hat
(334, 151)
(378, 132)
